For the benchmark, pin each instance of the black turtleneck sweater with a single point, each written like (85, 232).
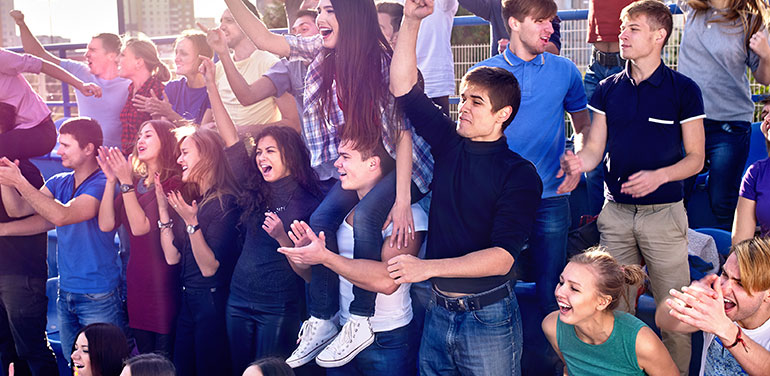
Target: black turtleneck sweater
(484, 195)
(261, 273)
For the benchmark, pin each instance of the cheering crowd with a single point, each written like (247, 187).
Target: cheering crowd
(307, 205)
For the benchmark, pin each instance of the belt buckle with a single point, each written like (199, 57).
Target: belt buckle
(461, 304)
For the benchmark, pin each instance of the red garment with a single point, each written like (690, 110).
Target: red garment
(131, 118)
(604, 19)
(153, 285)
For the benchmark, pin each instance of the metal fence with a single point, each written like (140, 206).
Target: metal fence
(573, 38)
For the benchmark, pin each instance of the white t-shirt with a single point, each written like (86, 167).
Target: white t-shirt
(262, 112)
(760, 335)
(390, 311)
(105, 110)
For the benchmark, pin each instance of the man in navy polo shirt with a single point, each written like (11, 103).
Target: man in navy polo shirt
(550, 85)
(87, 257)
(644, 115)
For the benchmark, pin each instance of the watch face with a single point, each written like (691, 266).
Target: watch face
(125, 188)
(191, 229)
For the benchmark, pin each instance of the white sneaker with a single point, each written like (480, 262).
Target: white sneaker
(355, 336)
(314, 335)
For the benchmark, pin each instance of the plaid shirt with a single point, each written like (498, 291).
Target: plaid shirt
(321, 133)
(131, 118)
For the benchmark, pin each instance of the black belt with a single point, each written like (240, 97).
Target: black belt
(608, 59)
(473, 302)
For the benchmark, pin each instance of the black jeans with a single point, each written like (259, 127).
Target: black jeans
(29, 143)
(23, 309)
(201, 347)
(151, 342)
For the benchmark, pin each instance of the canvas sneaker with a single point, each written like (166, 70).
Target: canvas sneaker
(314, 335)
(355, 336)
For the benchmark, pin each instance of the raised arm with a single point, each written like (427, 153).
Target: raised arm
(289, 116)
(31, 44)
(253, 27)
(225, 124)
(107, 216)
(758, 44)
(403, 67)
(55, 71)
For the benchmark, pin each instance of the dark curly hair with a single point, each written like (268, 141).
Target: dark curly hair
(294, 154)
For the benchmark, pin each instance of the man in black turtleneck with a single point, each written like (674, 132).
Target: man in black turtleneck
(485, 198)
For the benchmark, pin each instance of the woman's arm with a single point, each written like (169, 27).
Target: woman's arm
(123, 171)
(202, 252)
(170, 252)
(401, 213)
(225, 124)
(652, 356)
(745, 221)
(253, 27)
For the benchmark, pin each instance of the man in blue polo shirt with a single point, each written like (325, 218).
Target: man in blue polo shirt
(645, 115)
(87, 257)
(550, 84)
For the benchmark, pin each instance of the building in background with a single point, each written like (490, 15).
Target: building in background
(8, 37)
(158, 17)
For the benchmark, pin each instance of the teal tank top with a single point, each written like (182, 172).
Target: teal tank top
(616, 356)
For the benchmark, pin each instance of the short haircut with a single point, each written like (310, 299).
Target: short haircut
(150, 365)
(394, 10)
(252, 8)
(753, 262)
(501, 86)
(387, 163)
(537, 9)
(110, 42)
(84, 130)
(658, 15)
(307, 13)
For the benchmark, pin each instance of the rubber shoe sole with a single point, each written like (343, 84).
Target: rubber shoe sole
(309, 356)
(330, 363)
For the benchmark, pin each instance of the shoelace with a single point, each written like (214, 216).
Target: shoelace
(346, 337)
(308, 328)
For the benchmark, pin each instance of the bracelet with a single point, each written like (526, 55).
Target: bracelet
(738, 339)
(162, 225)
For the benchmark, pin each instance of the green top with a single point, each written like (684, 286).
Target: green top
(616, 356)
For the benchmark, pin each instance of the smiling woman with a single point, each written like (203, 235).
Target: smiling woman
(99, 350)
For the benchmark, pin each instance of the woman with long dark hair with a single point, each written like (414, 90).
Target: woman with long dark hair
(203, 238)
(346, 97)
(151, 282)
(99, 350)
(277, 187)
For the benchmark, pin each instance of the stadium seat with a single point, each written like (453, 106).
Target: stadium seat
(757, 146)
(722, 239)
(52, 328)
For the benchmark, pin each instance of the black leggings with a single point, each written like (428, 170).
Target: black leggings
(29, 143)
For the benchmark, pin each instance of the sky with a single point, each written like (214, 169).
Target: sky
(67, 18)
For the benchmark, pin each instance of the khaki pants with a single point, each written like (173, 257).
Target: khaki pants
(656, 234)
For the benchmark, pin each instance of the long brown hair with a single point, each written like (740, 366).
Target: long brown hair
(753, 14)
(169, 150)
(212, 164)
(356, 63)
(611, 277)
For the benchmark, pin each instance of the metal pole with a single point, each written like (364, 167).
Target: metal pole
(121, 18)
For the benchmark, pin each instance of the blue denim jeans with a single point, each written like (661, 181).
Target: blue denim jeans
(392, 353)
(595, 178)
(483, 342)
(546, 255)
(727, 148)
(78, 310)
(201, 347)
(371, 213)
(258, 330)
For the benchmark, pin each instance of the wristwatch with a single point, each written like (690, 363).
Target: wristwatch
(191, 229)
(125, 188)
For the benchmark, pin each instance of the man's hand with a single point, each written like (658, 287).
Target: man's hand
(758, 44)
(17, 16)
(502, 44)
(408, 269)
(10, 174)
(418, 9)
(216, 39)
(309, 4)
(703, 308)
(90, 89)
(571, 168)
(643, 183)
(299, 233)
(313, 253)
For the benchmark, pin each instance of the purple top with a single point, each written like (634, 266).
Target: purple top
(189, 103)
(15, 90)
(756, 187)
